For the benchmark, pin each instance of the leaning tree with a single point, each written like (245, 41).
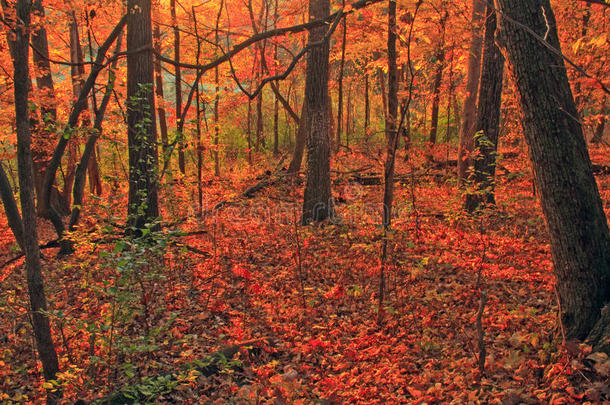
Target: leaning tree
(578, 229)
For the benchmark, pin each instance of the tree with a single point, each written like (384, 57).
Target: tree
(578, 229)
(317, 201)
(142, 130)
(38, 301)
(487, 125)
(466, 141)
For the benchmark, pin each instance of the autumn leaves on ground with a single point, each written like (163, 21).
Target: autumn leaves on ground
(303, 300)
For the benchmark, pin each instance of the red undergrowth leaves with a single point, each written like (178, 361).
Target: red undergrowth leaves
(317, 310)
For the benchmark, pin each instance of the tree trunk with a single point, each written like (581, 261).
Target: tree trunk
(317, 201)
(142, 129)
(35, 282)
(44, 82)
(178, 88)
(436, 90)
(367, 107)
(217, 99)
(301, 139)
(159, 92)
(340, 80)
(568, 191)
(488, 119)
(10, 207)
(466, 142)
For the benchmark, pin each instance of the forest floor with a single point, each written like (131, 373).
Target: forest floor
(304, 299)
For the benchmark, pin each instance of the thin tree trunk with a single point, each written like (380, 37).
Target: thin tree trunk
(568, 192)
(488, 119)
(367, 106)
(340, 80)
(77, 71)
(10, 207)
(35, 282)
(466, 142)
(300, 139)
(159, 92)
(44, 82)
(217, 99)
(178, 88)
(436, 90)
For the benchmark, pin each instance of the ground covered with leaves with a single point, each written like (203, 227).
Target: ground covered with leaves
(242, 305)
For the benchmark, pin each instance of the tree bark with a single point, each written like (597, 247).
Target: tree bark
(301, 139)
(436, 90)
(159, 92)
(142, 130)
(340, 80)
(178, 88)
(568, 191)
(466, 142)
(488, 119)
(317, 201)
(35, 282)
(44, 82)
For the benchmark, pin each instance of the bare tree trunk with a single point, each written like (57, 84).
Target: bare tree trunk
(142, 128)
(10, 207)
(488, 119)
(178, 88)
(159, 92)
(217, 100)
(35, 282)
(466, 142)
(436, 90)
(301, 139)
(578, 229)
(367, 106)
(44, 82)
(317, 201)
(340, 80)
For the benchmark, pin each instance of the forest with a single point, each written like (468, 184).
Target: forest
(285, 202)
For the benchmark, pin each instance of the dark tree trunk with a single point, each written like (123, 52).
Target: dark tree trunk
(488, 119)
(436, 89)
(178, 87)
(276, 123)
(160, 95)
(466, 142)
(35, 282)
(367, 106)
(10, 207)
(77, 71)
(568, 191)
(340, 80)
(217, 99)
(142, 129)
(44, 82)
(317, 201)
(301, 139)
